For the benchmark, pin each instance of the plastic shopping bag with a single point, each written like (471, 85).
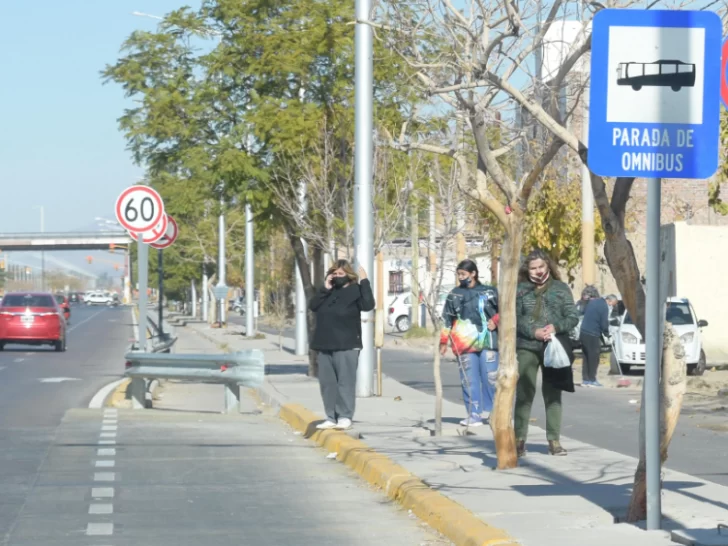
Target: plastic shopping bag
(555, 355)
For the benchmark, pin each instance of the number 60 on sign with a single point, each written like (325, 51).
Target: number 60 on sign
(139, 209)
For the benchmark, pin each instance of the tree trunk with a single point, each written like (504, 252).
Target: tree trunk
(672, 390)
(304, 267)
(502, 417)
(438, 383)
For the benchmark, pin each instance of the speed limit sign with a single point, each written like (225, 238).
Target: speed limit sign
(154, 234)
(140, 209)
(169, 237)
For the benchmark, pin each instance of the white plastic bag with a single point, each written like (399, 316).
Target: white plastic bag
(555, 355)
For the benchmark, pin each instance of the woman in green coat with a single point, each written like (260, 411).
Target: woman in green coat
(544, 308)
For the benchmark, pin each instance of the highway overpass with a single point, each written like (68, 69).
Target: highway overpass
(15, 242)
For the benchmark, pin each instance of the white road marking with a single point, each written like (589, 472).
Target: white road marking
(109, 428)
(100, 529)
(98, 508)
(100, 397)
(72, 328)
(108, 435)
(104, 476)
(109, 422)
(106, 452)
(2, 368)
(105, 464)
(57, 379)
(107, 442)
(110, 412)
(102, 492)
(18, 360)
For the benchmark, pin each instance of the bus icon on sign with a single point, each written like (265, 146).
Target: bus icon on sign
(666, 73)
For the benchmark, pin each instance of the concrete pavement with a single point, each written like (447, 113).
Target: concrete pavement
(606, 418)
(547, 500)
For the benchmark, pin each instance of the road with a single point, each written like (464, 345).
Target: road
(37, 387)
(607, 418)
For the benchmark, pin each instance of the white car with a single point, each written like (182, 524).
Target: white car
(99, 298)
(629, 347)
(398, 313)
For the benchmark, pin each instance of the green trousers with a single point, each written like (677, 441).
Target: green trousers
(528, 365)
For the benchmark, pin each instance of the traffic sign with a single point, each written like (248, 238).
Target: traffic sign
(655, 84)
(724, 74)
(139, 209)
(153, 235)
(170, 235)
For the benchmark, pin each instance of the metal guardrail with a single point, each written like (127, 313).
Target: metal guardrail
(244, 368)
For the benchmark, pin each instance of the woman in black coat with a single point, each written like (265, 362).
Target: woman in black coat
(337, 338)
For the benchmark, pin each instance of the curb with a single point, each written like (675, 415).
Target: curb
(118, 396)
(443, 514)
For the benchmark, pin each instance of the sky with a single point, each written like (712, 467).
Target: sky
(60, 146)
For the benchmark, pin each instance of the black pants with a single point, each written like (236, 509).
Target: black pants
(591, 349)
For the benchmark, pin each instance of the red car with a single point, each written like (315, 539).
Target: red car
(65, 305)
(32, 319)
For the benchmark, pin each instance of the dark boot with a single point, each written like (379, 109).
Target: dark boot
(555, 448)
(520, 448)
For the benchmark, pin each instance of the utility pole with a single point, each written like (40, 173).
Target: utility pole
(301, 304)
(205, 292)
(249, 274)
(193, 297)
(221, 288)
(301, 307)
(414, 275)
(363, 214)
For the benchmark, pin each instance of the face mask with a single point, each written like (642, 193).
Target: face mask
(539, 279)
(339, 282)
(465, 283)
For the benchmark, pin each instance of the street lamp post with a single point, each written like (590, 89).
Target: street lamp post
(363, 216)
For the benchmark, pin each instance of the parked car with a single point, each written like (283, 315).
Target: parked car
(65, 306)
(629, 347)
(398, 314)
(32, 319)
(99, 298)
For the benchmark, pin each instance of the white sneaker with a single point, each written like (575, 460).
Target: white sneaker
(472, 422)
(343, 424)
(326, 425)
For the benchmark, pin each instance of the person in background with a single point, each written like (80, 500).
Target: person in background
(544, 309)
(589, 293)
(470, 322)
(594, 325)
(337, 338)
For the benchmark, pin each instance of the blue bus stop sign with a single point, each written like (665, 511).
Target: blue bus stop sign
(655, 93)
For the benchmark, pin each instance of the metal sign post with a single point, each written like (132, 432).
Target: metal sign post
(143, 264)
(655, 111)
(160, 274)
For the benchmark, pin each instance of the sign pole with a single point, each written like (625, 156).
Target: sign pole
(160, 274)
(249, 274)
(653, 355)
(143, 263)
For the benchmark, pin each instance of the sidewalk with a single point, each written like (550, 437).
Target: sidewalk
(563, 501)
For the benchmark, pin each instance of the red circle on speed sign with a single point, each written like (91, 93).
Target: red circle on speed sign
(724, 74)
(139, 209)
(153, 235)
(169, 237)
